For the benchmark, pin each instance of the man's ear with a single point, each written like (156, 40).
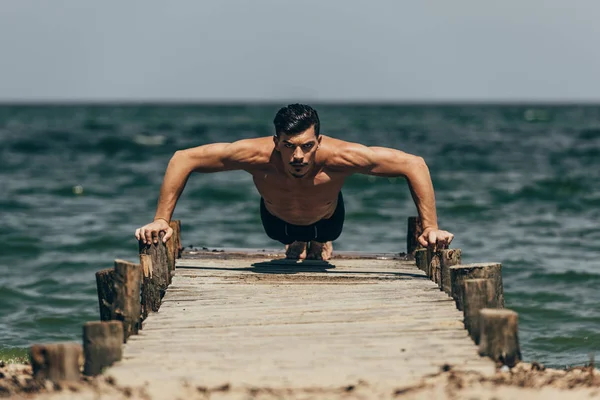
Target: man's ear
(319, 139)
(276, 141)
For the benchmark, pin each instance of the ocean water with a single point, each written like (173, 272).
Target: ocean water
(516, 184)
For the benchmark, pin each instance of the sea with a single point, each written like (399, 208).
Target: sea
(517, 184)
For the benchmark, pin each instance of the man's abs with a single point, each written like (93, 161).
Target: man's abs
(299, 203)
(301, 211)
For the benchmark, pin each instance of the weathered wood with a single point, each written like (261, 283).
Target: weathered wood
(150, 292)
(478, 294)
(176, 226)
(171, 253)
(414, 231)
(105, 283)
(433, 258)
(102, 345)
(126, 306)
(313, 324)
(499, 336)
(448, 258)
(421, 259)
(460, 273)
(173, 246)
(160, 263)
(56, 361)
(231, 253)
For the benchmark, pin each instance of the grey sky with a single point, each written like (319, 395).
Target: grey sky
(302, 50)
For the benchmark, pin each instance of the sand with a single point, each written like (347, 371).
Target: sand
(531, 381)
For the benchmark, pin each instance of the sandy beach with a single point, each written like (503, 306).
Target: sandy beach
(531, 381)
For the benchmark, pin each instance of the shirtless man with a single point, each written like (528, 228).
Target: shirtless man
(299, 173)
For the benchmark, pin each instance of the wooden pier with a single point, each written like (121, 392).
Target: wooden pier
(263, 323)
(244, 320)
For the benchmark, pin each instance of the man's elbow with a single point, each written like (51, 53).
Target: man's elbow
(181, 160)
(178, 157)
(418, 167)
(419, 162)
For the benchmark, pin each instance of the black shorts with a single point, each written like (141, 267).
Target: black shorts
(321, 231)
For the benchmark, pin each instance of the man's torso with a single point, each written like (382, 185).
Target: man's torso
(298, 201)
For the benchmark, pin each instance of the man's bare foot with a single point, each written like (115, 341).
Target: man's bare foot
(296, 250)
(320, 251)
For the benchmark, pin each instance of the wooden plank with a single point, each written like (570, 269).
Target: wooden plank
(245, 253)
(265, 322)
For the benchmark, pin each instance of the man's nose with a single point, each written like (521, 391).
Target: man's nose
(298, 154)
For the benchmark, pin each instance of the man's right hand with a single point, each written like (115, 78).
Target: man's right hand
(149, 233)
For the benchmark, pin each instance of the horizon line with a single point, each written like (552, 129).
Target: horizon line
(238, 102)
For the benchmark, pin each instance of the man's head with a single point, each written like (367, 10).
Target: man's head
(297, 137)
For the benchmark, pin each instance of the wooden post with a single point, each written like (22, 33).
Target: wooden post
(499, 336)
(414, 231)
(176, 226)
(448, 258)
(102, 345)
(160, 263)
(150, 292)
(421, 258)
(56, 362)
(433, 258)
(171, 255)
(460, 273)
(173, 245)
(478, 294)
(126, 307)
(427, 269)
(105, 283)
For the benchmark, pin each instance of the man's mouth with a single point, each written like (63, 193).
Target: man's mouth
(298, 168)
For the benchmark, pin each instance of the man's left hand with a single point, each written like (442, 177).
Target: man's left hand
(436, 238)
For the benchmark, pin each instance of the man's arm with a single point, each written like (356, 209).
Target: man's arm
(214, 157)
(381, 161)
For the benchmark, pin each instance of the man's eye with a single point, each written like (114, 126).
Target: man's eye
(307, 146)
(289, 146)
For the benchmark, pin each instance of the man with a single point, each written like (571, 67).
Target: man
(299, 173)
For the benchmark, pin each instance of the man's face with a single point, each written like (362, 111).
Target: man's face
(298, 152)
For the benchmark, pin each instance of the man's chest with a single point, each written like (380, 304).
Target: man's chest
(273, 183)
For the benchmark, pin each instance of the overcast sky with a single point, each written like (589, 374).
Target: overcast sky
(302, 50)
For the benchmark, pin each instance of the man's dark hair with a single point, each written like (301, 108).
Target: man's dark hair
(296, 118)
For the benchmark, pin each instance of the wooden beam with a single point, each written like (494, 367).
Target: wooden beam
(160, 263)
(150, 293)
(460, 273)
(102, 345)
(448, 258)
(414, 231)
(433, 258)
(56, 361)
(126, 306)
(421, 259)
(176, 226)
(105, 283)
(499, 336)
(478, 294)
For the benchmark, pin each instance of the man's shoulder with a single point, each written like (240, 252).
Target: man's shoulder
(253, 151)
(343, 155)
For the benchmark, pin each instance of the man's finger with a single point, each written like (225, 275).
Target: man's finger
(137, 233)
(148, 236)
(433, 237)
(422, 240)
(168, 234)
